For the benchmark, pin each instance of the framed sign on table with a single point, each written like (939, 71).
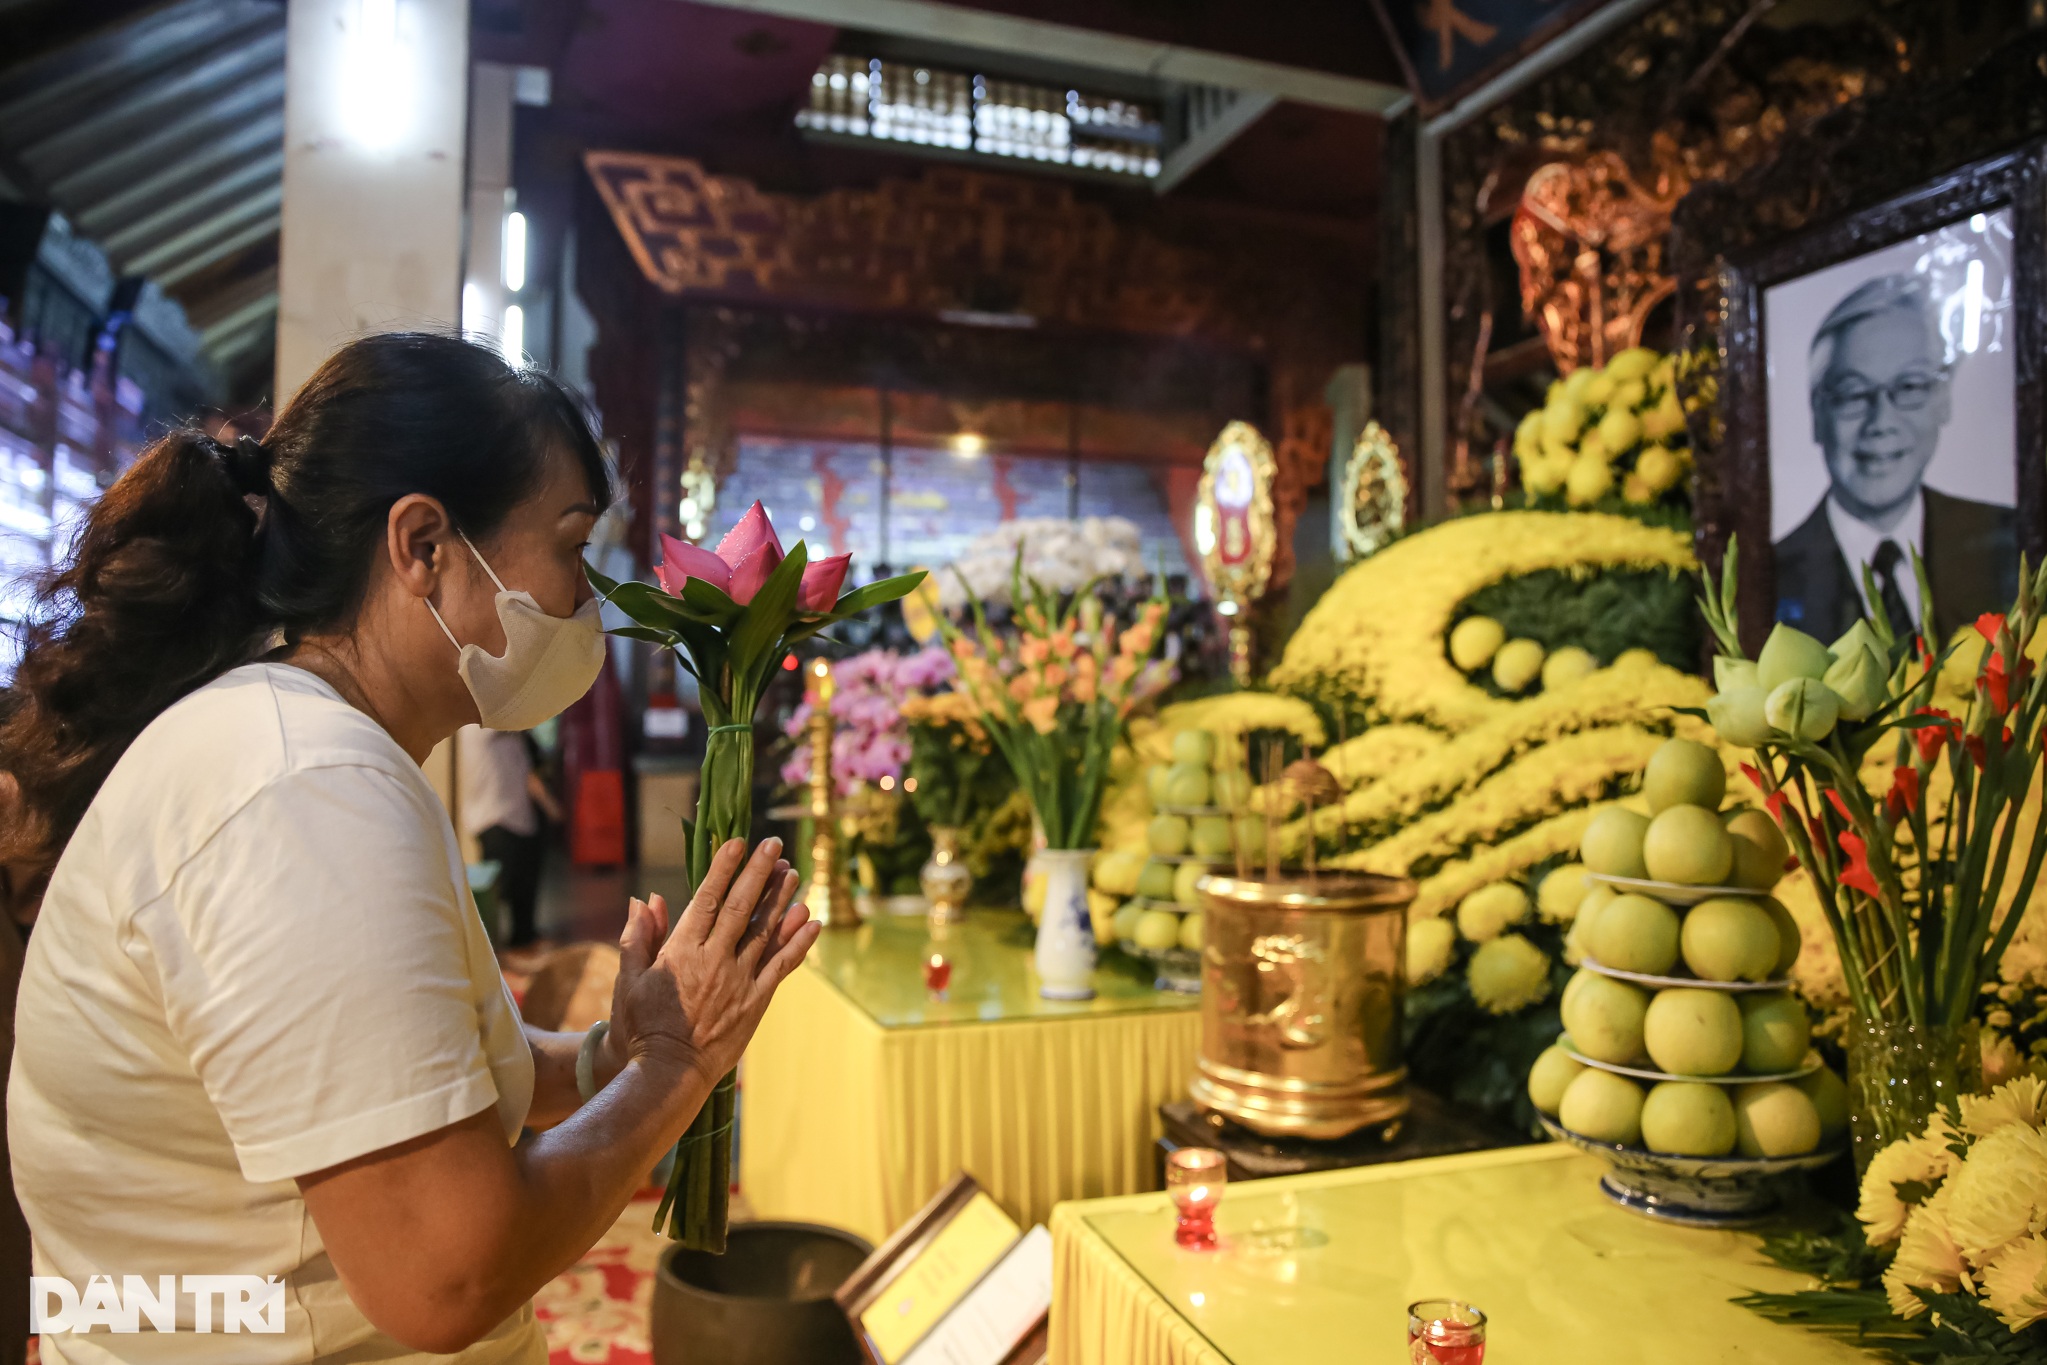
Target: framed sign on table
(1866, 338)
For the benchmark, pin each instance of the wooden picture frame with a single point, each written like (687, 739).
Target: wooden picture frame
(1875, 174)
(874, 1275)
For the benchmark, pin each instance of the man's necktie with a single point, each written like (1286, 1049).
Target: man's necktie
(1889, 558)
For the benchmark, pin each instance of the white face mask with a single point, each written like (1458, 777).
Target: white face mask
(548, 664)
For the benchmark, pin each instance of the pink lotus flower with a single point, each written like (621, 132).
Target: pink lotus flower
(742, 562)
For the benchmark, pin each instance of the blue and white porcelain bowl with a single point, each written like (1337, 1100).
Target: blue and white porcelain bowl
(1695, 1191)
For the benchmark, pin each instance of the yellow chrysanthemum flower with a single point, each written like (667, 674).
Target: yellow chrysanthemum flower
(2000, 1192)
(1429, 945)
(1927, 1258)
(1489, 911)
(2015, 1282)
(2021, 1100)
(1923, 1160)
(1561, 892)
(1508, 974)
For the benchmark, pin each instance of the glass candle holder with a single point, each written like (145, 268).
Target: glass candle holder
(1445, 1332)
(1195, 1177)
(937, 973)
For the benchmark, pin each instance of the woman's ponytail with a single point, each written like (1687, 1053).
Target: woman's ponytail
(156, 599)
(202, 551)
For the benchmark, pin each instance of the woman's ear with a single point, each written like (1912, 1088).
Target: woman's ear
(417, 535)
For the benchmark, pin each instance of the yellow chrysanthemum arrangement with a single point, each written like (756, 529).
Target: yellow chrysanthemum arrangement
(1961, 1212)
(1618, 428)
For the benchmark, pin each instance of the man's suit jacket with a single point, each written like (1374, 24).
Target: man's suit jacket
(1971, 560)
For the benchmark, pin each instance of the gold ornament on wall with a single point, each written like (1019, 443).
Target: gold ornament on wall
(1236, 531)
(1374, 493)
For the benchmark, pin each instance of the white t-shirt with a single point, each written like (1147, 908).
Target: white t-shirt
(258, 958)
(492, 768)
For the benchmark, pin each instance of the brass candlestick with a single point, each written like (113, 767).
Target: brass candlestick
(830, 894)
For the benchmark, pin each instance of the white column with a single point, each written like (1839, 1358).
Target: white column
(376, 93)
(491, 90)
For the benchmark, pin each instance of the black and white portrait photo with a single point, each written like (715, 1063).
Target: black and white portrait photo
(1892, 427)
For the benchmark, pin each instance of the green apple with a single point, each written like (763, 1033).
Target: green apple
(1187, 784)
(1517, 665)
(1474, 641)
(1692, 1032)
(1789, 937)
(1635, 934)
(1791, 653)
(1185, 876)
(1125, 921)
(1683, 772)
(1613, 843)
(1759, 849)
(1687, 844)
(1191, 929)
(1688, 1118)
(1776, 1031)
(1194, 746)
(1565, 666)
(1730, 938)
(1773, 1118)
(1605, 1018)
(1158, 930)
(1598, 896)
(1553, 1071)
(1155, 883)
(1571, 989)
(1829, 1096)
(1210, 836)
(1603, 1107)
(1155, 782)
(1167, 835)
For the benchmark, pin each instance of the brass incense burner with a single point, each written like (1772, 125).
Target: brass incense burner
(1301, 984)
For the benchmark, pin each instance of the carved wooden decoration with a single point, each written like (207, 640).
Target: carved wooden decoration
(1589, 240)
(1374, 506)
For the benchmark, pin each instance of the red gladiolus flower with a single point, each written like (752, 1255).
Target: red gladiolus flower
(1775, 801)
(1997, 684)
(1932, 737)
(1819, 831)
(1755, 778)
(1977, 753)
(1988, 624)
(1840, 806)
(1903, 797)
(1857, 873)
(1923, 650)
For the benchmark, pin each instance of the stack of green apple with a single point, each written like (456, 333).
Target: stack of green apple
(1188, 836)
(1479, 645)
(1712, 1039)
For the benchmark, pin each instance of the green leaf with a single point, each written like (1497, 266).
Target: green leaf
(649, 606)
(605, 587)
(666, 638)
(874, 594)
(711, 602)
(764, 619)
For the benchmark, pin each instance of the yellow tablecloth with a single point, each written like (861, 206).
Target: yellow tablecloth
(1320, 1269)
(862, 1096)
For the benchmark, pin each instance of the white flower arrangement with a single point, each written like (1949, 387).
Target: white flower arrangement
(1062, 555)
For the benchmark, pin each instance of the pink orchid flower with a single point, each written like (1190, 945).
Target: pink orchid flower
(742, 562)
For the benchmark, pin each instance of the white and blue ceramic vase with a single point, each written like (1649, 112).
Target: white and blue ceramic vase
(1066, 933)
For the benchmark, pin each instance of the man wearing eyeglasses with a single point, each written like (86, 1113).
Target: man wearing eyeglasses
(1880, 397)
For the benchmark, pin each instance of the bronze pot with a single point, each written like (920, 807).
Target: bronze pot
(1301, 984)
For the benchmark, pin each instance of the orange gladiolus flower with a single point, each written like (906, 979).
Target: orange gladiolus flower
(1043, 714)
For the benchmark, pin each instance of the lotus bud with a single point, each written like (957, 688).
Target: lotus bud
(1737, 715)
(1857, 636)
(1861, 682)
(1790, 653)
(1804, 708)
(1732, 675)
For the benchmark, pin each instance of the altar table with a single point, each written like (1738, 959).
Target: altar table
(1319, 1269)
(862, 1095)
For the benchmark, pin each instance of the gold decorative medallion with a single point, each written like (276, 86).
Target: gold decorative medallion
(1374, 493)
(1235, 531)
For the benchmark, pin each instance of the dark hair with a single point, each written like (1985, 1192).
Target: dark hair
(202, 551)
